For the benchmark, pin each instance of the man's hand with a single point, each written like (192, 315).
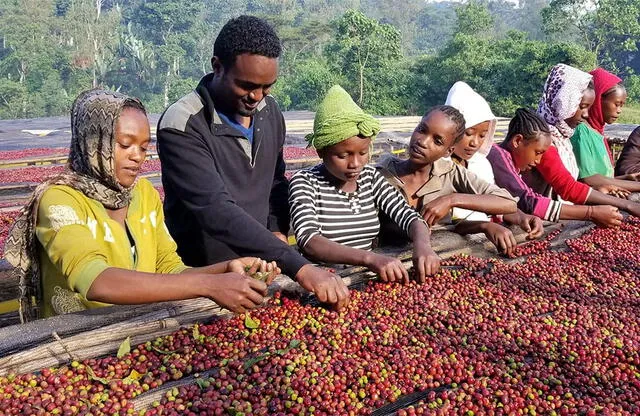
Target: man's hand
(390, 269)
(281, 237)
(234, 291)
(502, 238)
(328, 287)
(435, 210)
(425, 261)
(250, 266)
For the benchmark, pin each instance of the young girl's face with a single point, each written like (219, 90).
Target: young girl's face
(472, 140)
(582, 112)
(612, 102)
(346, 159)
(527, 153)
(132, 138)
(432, 139)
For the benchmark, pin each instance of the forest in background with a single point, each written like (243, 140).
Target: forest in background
(393, 57)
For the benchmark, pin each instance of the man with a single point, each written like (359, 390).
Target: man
(222, 162)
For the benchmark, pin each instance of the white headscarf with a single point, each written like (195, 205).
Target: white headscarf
(475, 110)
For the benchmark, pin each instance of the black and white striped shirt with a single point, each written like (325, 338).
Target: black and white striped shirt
(319, 208)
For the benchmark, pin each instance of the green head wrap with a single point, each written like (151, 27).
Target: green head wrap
(339, 118)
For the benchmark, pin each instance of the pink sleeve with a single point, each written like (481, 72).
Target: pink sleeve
(555, 174)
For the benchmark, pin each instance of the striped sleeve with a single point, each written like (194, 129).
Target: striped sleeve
(390, 201)
(304, 218)
(507, 177)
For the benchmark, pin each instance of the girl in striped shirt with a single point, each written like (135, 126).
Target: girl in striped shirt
(334, 205)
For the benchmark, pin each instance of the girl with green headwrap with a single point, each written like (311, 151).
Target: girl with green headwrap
(334, 205)
(95, 234)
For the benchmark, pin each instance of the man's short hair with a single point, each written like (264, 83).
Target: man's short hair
(246, 34)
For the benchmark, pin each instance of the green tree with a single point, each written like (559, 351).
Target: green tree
(436, 25)
(475, 19)
(94, 34)
(307, 83)
(33, 57)
(509, 72)
(167, 25)
(362, 46)
(608, 28)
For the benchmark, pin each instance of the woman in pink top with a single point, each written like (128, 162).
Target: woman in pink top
(527, 141)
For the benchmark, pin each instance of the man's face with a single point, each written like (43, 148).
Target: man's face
(244, 84)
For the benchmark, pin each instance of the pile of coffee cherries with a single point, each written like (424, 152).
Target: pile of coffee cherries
(557, 333)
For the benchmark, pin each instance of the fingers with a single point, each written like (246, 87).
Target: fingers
(512, 243)
(383, 275)
(256, 286)
(332, 295)
(255, 267)
(433, 265)
(421, 266)
(537, 229)
(274, 271)
(342, 293)
(404, 274)
(428, 218)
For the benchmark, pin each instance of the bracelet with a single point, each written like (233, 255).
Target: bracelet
(589, 213)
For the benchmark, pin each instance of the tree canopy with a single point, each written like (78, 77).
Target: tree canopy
(393, 58)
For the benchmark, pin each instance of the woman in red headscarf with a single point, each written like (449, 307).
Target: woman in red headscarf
(590, 147)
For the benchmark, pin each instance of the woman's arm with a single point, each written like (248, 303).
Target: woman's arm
(500, 236)
(233, 291)
(556, 174)
(601, 215)
(425, 261)
(597, 181)
(489, 204)
(508, 177)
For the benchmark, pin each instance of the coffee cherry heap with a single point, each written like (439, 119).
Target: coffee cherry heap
(557, 333)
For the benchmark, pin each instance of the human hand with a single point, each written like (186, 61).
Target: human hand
(614, 190)
(390, 269)
(254, 267)
(532, 225)
(435, 210)
(632, 176)
(328, 287)
(234, 291)
(633, 208)
(604, 216)
(425, 262)
(502, 238)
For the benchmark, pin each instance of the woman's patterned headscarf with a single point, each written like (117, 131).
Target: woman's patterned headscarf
(560, 100)
(90, 170)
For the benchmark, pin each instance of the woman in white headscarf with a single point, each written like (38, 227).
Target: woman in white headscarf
(471, 152)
